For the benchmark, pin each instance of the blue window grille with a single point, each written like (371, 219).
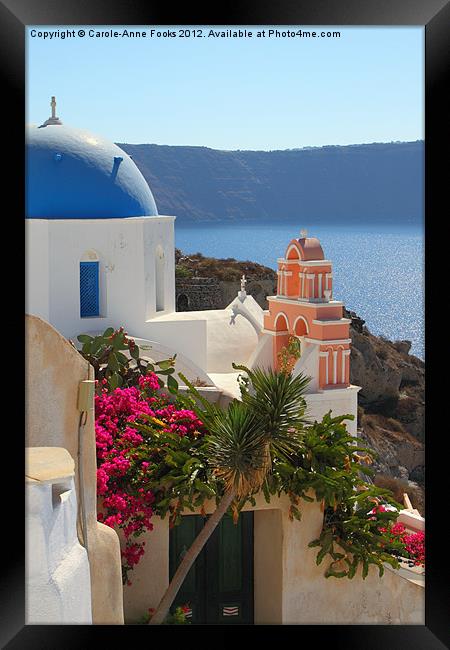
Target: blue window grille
(89, 289)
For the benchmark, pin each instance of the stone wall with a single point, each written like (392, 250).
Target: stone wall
(198, 294)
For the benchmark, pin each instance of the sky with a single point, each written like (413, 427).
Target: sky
(252, 93)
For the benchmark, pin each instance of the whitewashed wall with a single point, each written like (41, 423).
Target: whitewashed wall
(340, 400)
(58, 583)
(125, 248)
(37, 268)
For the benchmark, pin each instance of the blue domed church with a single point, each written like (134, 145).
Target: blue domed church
(98, 253)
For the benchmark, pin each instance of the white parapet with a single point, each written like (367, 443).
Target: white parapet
(58, 585)
(340, 401)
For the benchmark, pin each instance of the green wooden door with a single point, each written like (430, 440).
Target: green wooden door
(219, 586)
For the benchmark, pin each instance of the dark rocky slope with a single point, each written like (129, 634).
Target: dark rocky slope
(391, 413)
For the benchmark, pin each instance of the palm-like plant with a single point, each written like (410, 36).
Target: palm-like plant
(240, 446)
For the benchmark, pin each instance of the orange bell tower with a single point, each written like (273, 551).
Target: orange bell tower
(304, 308)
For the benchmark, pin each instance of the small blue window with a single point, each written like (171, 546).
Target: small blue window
(89, 289)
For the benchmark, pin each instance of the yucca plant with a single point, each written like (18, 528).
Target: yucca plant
(239, 448)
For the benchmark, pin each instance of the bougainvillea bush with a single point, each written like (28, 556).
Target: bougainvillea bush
(414, 543)
(132, 464)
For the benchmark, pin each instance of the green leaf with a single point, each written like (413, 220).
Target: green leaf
(335, 574)
(115, 381)
(285, 469)
(172, 384)
(86, 349)
(134, 352)
(121, 358)
(108, 332)
(96, 344)
(296, 513)
(166, 364)
(113, 363)
(365, 570)
(203, 487)
(351, 571)
(85, 338)
(192, 462)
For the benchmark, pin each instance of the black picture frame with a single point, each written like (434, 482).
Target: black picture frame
(434, 15)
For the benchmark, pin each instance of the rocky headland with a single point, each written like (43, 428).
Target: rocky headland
(392, 397)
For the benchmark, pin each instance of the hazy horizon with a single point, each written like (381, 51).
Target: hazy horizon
(306, 148)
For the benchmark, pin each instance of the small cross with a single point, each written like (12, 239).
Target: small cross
(53, 105)
(243, 283)
(303, 233)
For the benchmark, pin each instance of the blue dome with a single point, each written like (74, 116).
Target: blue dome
(72, 174)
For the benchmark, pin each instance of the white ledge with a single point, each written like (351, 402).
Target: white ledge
(304, 302)
(48, 464)
(337, 321)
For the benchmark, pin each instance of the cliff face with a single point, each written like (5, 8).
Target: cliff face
(391, 402)
(374, 183)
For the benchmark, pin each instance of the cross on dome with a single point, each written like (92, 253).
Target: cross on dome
(53, 119)
(303, 233)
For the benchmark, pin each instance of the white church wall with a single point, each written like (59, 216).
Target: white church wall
(212, 338)
(159, 266)
(229, 339)
(184, 336)
(120, 245)
(37, 267)
(157, 351)
(262, 356)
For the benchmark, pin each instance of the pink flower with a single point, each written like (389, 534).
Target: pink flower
(120, 448)
(149, 382)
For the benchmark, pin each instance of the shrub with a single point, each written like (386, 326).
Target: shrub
(183, 272)
(134, 465)
(105, 352)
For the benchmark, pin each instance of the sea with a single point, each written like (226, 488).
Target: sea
(378, 270)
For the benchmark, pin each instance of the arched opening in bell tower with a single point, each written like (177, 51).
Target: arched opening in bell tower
(301, 329)
(281, 326)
